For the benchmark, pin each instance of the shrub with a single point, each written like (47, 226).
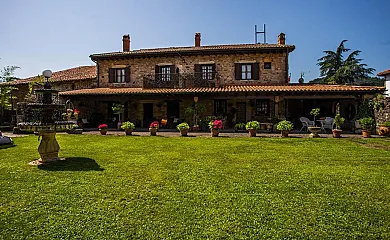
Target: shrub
(338, 120)
(183, 126)
(366, 123)
(127, 125)
(386, 124)
(239, 126)
(75, 126)
(103, 126)
(216, 124)
(285, 126)
(255, 125)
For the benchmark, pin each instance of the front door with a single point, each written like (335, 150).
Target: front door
(173, 113)
(241, 112)
(148, 114)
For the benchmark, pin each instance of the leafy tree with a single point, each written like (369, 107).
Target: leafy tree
(6, 75)
(335, 69)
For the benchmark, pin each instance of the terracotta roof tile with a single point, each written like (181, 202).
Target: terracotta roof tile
(386, 72)
(77, 73)
(226, 89)
(210, 48)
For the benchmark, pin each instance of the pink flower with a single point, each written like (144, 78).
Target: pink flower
(217, 125)
(154, 124)
(102, 126)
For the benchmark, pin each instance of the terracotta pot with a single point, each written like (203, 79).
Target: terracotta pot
(366, 133)
(252, 132)
(214, 133)
(184, 133)
(384, 131)
(153, 131)
(103, 131)
(128, 131)
(284, 133)
(195, 128)
(337, 133)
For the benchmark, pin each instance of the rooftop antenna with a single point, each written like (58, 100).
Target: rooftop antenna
(263, 32)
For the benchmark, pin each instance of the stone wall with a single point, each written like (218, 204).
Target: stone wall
(383, 114)
(140, 67)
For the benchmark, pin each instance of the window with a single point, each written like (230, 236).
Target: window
(247, 71)
(220, 107)
(119, 75)
(165, 73)
(262, 106)
(267, 65)
(207, 72)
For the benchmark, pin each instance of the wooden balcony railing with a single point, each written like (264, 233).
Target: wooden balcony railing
(180, 80)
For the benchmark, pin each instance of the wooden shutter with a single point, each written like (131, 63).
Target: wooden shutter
(127, 74)
(173, 72)
(111, 75)
(255, 71)
(237, 72)
(156, 72)
(213, 74)
(198, 71)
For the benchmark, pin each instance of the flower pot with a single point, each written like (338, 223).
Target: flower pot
(285, 133)
(337, 133)
(184, 133)
(153, 131)
(314, 132)
(128, 131)
(195, 128)
(366, 133)
(252, 132)
(214, 132)
(384, 131)
(103, 131)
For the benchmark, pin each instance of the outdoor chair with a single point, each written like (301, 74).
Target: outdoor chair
(357, 128)
(306, 123)
(328, 123)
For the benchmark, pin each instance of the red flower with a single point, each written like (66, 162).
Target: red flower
(217, 125)
(154, 124)
(102, 126)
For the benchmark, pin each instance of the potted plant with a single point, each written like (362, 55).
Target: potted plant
(252, 127)
(338, 120)
(76, 129)
(128, 127)
(183, 128)
(153, 127)
(384, 129)
(103, 129)
(284, 127)
(215, 126)
(314, 130)
(367, 124)
(239, 127)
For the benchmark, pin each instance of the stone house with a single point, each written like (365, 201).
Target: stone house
(237, 82)
(81, 77)
(386, 75)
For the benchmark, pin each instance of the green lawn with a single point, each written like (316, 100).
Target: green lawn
(122, 187)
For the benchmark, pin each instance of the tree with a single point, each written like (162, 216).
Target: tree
(6, 75)
(335, 69)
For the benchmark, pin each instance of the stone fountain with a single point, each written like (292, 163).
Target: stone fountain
(46, 108)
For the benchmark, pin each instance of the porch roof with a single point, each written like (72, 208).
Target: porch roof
(302, 88)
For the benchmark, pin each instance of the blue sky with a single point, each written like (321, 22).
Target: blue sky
(38, 35)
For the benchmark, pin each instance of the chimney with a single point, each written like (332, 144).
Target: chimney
(126, 43)
(282, 39)
(197, 39)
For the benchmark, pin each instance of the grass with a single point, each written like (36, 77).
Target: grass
(118, 187)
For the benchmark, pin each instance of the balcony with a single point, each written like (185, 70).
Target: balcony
(180, 80)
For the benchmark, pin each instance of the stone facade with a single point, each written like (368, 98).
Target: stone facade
(383, 114)
(139, 67)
